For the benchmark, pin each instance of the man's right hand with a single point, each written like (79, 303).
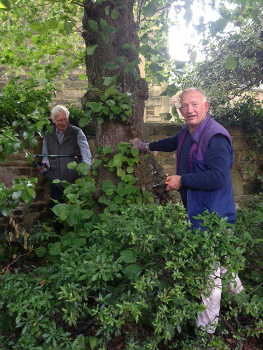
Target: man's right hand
(141, 146)
(43, 169)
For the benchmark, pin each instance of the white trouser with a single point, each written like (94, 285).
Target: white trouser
(208, 319)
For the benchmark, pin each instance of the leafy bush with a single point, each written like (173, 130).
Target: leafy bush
(137, 277)
(20, 99)
(246, 111)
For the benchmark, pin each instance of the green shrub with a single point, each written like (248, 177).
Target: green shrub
(138, 276)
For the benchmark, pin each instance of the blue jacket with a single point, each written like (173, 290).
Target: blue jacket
(206, 175)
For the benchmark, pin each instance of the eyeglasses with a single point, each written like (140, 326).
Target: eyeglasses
(60, 121)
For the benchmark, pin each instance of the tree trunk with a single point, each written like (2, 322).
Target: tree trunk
(118, 33)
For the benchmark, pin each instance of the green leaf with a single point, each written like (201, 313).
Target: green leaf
(75, 215)
(110, 91)
(111, 66)
(128, 256)
(83, 77)
(68, 26)
(72, 165)
(72, 197)
(150, 9)
(91, 49)
(52, 23)
(30, 157)
(155, 67)
(114, 14)
(120, 172)
(107, 150)
(94, 343)
(5, 4)
(110, 80)
(105, 37)
(93, 25)
(54, 248)
(40, 252)
(103, 23)
(132, 272)
(230, 63)
(95, 106)
(218, 26)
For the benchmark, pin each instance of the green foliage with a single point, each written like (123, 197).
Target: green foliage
(107, 104)
(21, 99)
(253, 273)
(24, 113)
(139, 272)
(247, 112)
(23, 188)
(40, 36)
(83, 199)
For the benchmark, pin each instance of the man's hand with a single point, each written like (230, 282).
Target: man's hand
(136, 143)
(173, 183)
(43, 169)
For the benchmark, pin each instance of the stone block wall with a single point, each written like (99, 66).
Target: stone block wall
(245, 185)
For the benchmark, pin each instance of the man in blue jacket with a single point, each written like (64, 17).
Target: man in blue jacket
(204, 163)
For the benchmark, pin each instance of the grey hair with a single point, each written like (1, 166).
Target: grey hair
(57, 110)
(193, 89)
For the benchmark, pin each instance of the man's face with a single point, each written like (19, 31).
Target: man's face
(61, 122)
(193, 108)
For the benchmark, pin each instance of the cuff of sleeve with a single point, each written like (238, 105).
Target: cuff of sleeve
(46, 164)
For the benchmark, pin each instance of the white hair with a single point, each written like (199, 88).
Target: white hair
(57, 110)
(194, 89)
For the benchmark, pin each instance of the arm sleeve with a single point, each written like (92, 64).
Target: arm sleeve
(218, 164)
(84, 148)
(45, 160)
(169, 144)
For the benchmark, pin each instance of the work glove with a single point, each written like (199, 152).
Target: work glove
(141, 146)
(42, 169)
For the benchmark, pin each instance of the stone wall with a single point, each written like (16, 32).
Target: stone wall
(245, 186)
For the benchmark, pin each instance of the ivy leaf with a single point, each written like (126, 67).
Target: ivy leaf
(91, 49)
(114, 14)
(110, 91)
(103, 23)
(93, 25)
(110, 80)
(230, 63)
(111, 66)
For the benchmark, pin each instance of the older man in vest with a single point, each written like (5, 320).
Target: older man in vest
(67, 140)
